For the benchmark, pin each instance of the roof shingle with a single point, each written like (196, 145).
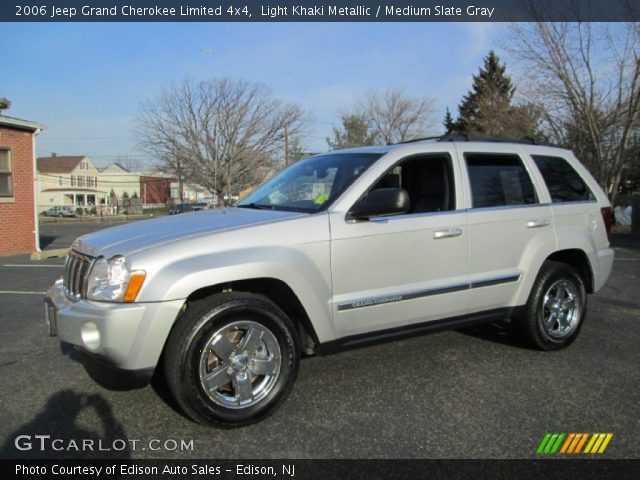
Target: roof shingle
(58, 164)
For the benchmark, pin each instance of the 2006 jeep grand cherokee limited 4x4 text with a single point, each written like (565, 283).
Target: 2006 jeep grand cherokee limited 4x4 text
(338, 250)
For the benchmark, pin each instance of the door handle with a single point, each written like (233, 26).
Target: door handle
(538, 223)
(449, 232)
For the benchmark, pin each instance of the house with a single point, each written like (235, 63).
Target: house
(18, 217)
(191, 193)
(69, 180)
(119, 180)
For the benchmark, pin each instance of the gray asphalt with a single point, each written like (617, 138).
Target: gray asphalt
(475, 393)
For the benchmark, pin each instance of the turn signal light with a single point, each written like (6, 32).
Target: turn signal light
(135, 284)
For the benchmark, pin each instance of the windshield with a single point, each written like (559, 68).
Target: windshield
(310, 185)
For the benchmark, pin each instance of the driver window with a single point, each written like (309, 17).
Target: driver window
(428, 181)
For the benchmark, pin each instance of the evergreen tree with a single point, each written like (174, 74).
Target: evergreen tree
(296, 150)
(449, 124)
(486, 110)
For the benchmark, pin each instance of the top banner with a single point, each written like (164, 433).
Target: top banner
(318, 11)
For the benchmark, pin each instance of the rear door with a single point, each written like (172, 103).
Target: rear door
(508, 221)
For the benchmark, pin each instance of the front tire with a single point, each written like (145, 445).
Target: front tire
(232, 359)
(555, 311)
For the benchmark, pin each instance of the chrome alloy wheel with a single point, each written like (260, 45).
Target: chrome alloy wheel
(240, 364)
(561, 309)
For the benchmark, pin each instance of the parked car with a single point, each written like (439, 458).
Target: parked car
(180, 208)
(60, 211)
(339, 251)
(199, 206)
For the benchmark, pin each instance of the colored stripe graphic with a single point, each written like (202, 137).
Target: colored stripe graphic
(581, 443)
(567, 443)
(572, 443)
(543, 443)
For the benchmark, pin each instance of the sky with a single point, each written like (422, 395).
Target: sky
(85, 82)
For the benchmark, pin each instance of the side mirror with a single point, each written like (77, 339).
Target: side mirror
(382, 201)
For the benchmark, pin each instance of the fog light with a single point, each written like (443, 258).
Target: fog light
(90, 335)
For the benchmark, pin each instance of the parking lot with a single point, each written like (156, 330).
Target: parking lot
(475, 393)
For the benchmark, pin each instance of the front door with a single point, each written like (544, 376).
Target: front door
(405, 269)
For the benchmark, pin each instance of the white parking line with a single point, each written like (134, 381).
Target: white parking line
(12, 292)
(627, 259)
(33, 266)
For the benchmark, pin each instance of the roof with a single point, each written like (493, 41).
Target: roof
(114, 166)
(74, 190)
(58, 164)
(434, 142)
(20, 123)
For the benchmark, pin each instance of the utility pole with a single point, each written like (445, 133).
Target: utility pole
(286, 144)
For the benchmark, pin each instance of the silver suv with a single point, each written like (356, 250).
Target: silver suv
(335, 252)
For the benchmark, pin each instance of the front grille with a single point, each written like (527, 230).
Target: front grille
(76, 270)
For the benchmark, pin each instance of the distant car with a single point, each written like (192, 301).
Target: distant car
(180, 208)
(60, 211)
(199, 206)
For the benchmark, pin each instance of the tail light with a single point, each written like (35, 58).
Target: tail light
(608, 220)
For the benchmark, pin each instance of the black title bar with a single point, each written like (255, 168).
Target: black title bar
(320, 469)
(317, 11)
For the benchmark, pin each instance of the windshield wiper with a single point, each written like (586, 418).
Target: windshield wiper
(257, 206)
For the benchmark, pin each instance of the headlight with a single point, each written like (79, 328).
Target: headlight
(111, 281)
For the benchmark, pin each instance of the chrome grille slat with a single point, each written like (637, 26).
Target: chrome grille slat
(75, 274)
(67, 264)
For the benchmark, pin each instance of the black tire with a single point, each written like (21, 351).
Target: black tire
(529, 324)
(189, 342)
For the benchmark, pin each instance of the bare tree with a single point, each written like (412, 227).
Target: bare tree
(356, 131)
(587, 76)
(394, 116)
(129, 162)
(382, 117)
(217, 133)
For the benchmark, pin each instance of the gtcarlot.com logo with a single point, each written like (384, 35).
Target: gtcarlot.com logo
(568, 443)
(48, 443)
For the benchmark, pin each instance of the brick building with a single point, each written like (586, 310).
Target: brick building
(155, 190)
(18, 218)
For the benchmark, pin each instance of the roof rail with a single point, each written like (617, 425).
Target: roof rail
(464, 137)
(413, 140)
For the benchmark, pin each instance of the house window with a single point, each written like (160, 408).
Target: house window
(81, 181)
(60, 180)
(6, 177)
(74, 181)
(95, 182)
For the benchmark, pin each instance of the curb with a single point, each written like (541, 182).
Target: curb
(53, 253)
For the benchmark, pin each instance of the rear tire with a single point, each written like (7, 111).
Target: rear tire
(231, 359)
(555, 311)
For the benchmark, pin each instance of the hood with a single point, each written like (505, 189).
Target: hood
(132, 237)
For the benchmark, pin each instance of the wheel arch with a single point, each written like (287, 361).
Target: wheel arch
(579, 260)
(275, 290)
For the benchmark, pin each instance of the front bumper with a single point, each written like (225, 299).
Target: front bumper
(128, 336)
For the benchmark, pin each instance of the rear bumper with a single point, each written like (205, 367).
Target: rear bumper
(125, 336)
(605, 265)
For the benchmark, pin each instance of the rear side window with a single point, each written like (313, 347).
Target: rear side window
(499, 180)
(563, 182)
